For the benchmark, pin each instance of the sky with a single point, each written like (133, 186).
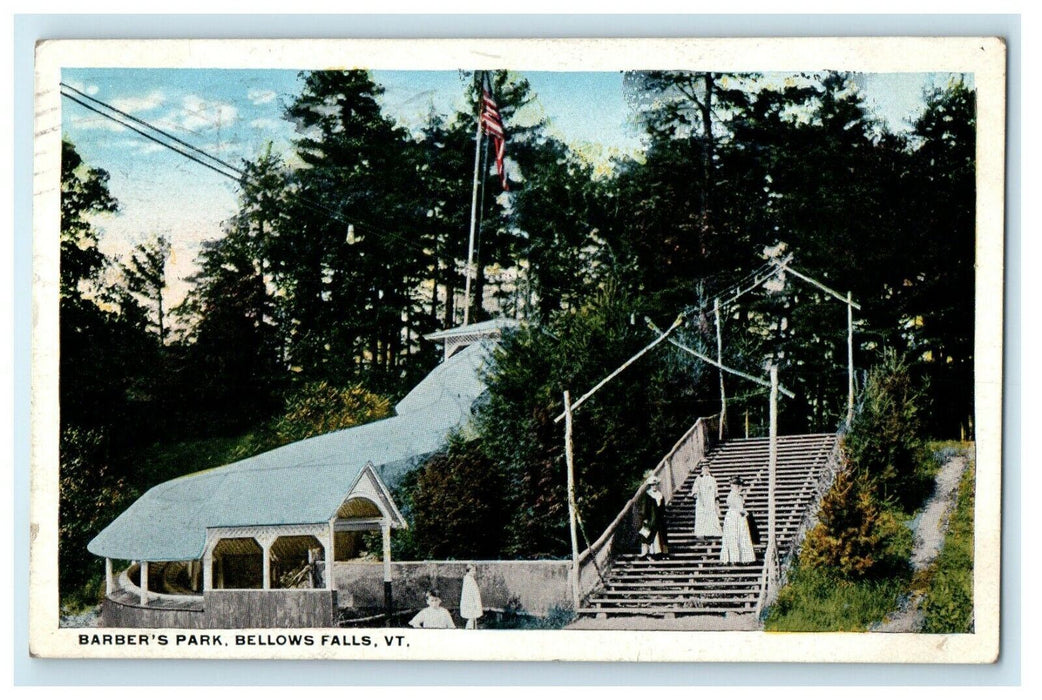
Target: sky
(234, 113)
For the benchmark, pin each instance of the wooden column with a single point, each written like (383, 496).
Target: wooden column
(330, 555)
(720, 370)
(110, 583)
(569, 460)
(771, 555)
(385, 531)
(265, 544)
(850, 358)
(208, 568)
(144, 582)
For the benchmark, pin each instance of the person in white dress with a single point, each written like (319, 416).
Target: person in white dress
(707, 511)
(736, 546)
(470, 608)
(433, 616)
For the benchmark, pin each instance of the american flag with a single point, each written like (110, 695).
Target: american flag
(492, 125)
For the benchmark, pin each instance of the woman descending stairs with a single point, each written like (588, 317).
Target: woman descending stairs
(692, 580)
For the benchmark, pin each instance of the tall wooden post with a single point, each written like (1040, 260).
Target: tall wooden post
(208, 568)
(473, 222)
(850, 358)
(385, 530)
(266, 560)
(720, 371)
(110, 583)
(771, 555)
(569, 460)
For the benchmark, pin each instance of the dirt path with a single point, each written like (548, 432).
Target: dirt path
(928, 538)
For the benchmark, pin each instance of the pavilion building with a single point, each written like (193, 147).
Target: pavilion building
(242, 544)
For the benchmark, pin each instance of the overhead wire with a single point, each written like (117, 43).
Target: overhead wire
(236, 174)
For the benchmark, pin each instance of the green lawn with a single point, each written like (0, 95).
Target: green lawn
(947, 603)
(814, 601)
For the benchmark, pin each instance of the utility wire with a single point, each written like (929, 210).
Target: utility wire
(150, 137)
(154, 128)
(240, 175)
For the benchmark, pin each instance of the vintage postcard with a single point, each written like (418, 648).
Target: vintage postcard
(635, 350)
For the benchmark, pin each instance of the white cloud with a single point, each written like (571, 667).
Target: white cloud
(268, 124)
(198, 115)
(145, 147)
(261, 97)
(135, 105)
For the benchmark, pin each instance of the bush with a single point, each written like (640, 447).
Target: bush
(884, 442)
(319, 408)
(315, 409)
(90, 496)
(948, 608)
(457, 506)
(855, 537)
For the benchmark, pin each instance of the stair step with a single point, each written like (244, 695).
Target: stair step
(657, 611)
(692, 580)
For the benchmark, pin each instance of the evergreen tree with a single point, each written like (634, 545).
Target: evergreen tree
(353, 258)
(145, 275)
(938, 302)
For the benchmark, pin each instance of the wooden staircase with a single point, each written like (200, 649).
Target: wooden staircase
(692, 581)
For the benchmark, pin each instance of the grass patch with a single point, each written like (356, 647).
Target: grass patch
(814, 601)
(947, 603)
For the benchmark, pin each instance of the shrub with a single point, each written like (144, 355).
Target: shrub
(948, 607)
(90, 496)
(320, 407)
(315, 409)
(457, 506)
(854, 537)
(884, 441)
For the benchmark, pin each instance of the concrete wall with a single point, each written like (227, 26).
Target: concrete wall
(115, 613)
(277, 608)
(228, 609)
(536, 586)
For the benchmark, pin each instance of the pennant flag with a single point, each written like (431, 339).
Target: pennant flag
(492, 125)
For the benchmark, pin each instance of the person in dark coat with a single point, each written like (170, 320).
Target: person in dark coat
(653, 540)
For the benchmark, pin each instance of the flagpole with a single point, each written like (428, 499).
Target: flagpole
(473, 221)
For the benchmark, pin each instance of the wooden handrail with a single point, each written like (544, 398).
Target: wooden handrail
(589, 555)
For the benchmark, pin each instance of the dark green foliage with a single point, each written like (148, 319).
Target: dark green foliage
(884, 443)
(316, 408)
(91, 495)
(319, 408)
(145, 275)
(457, 506)
(618, 434)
